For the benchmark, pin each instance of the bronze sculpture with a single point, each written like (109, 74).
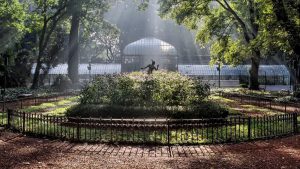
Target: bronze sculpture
(151, 67)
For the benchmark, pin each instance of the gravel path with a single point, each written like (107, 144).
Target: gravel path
(17, 151)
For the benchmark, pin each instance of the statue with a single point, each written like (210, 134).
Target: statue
(151, 67)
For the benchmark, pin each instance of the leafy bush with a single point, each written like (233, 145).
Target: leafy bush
(297, 94)
(138, 89)
(62, 83)
(286, 99)
(13, 93)
(244, 85)
(297, 91)
(205, 110)
(139, 95)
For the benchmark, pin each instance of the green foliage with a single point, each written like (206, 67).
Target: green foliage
(62, 83)
(205, 110)
(13, 93)
(100, 41)
(12, 26)
(244, 85)
(286, 99)
(229, 26)
(58, 108)
(161, 94)
(39, 108)
(137, 88)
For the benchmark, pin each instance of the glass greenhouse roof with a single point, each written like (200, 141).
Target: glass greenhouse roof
(190, 70)
(149, 46)
(226, 70)
(97, 69)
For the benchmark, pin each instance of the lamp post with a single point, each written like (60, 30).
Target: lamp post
(89, 68)
(219, 70)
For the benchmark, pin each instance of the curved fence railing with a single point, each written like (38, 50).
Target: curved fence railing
(151, 131)
(267, 102)
(32, 100)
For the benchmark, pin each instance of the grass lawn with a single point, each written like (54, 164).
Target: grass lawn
(53, 108)
(252, 92)
(3, 118)
(237, 108)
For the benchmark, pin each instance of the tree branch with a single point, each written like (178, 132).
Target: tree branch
(58, 12)
(53, 26)
(227, 7)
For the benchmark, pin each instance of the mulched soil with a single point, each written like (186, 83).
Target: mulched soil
(18, 151)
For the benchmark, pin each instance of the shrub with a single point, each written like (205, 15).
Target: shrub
(297, 94)
(139, 95)
(137, 89)
(14, 93)
(244, 85)
(286, 99)
(205, 110)
(62, 82)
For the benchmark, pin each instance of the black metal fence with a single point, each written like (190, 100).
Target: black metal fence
(151, 131)
(20, 103)
(267, 102)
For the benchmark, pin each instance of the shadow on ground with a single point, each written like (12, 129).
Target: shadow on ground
(17, 151)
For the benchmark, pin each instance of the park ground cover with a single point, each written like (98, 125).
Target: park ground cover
(24, 152)
(56, 108)
(60, 107)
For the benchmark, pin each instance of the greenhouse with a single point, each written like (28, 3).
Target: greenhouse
(84, 72)
(140, 53)
(229, 75)
(268, 74)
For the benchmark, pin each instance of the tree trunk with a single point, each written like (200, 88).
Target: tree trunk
(253, 81)
(36, 76)
(294, 36)
(73, 60)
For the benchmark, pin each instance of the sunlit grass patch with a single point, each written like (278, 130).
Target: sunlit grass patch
(63, 102)
(262, 110)
(220, 99)
(58, 111)
(38, 108)
(53, 108)
(227, 103)
(3, 118)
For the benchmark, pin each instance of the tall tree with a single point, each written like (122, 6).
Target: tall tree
(231, 27)
(13, 16)
(82, 10)
(101, 41)
(47, 15)
(288, 15)
(75, 9)
(12, 23)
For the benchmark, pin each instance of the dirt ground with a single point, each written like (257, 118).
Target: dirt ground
(18, 151)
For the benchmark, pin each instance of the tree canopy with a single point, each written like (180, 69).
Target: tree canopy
(237, 31)
(12, 23)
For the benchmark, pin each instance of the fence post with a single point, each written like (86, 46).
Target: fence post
(77, 129)
(249, 128)
(9, 111)
(295, 116)
(285, 104)
(23, 123)
(168, 132)
(3, 105)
